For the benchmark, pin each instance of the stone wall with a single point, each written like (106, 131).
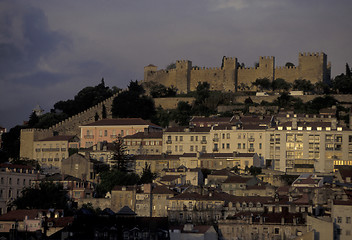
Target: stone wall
(171, 103)
(69, 126)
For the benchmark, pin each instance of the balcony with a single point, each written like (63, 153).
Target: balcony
(250, 149)
(215, 139)
(88, 136)
(215, 149)
(113, 136)
(203, 142)
(168, 142)
(168, 152)
(251, 139)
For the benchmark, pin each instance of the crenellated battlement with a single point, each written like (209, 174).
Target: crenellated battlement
(267, 58)
(308, 54)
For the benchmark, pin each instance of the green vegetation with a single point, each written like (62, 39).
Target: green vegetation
(46, 195)
(133, 103)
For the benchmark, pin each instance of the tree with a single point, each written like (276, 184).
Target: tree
(262, 83)
(255, 170)
(120, 157)
(280, 84)
(343, 84)
(289, 64)
(103, 112)
(182, 114)
(114, 177)
(202, 92)
(171, 66)
(46, 195)
(303, 85)
(33, 120)
(147, 175)
(133, 103)
(348, 71)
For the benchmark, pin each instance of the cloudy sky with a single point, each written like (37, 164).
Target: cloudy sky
(51, 49)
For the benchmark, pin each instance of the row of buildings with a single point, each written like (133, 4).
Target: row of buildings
(287, 142)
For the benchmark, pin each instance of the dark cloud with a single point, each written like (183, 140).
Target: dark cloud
(25, 40)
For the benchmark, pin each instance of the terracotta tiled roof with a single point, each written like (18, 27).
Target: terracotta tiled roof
(122, 121)
(222, 172)
(341, 202)
(236, 179)
(162, 190)
(10, 165)
(20, 214)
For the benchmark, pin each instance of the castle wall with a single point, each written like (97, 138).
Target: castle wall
(214, 76)
(289, 74)
(230, 77)
(69, 126)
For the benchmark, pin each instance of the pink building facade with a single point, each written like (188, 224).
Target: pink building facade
(109, 130)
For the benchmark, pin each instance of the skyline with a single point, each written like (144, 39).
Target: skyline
(50, 50)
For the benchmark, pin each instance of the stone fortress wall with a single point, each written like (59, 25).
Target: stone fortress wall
(69, 126)
(230, 76)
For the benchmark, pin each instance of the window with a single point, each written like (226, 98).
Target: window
(176, 138)
(181, 138)
(228, 135)
(228, 145)
(192, 138)
(191, 148)
(239, 146)
(339, 219)
(260, 145)
(239, 136)
(105, 133)
(244, 146)
(348, 219)
(100, 133)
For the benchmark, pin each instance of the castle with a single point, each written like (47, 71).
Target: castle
(232, 77)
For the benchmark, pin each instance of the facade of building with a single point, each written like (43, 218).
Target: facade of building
(342, 217)
(13, 179)
(109, 130)
(144, 143)
(49, 152)
(299, 147)
(79, 166)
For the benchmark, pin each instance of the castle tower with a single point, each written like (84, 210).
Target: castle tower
(230, 74)
(183, 75)
(266, 68)
(314, 67)
(149, 70)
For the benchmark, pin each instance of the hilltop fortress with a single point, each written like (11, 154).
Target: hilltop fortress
(231, 77)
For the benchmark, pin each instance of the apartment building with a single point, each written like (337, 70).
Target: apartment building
(13, 179)
(110, 129)
(299, 147)
(180, 140)
(49, 152)
(341, 215)
(144, 143)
